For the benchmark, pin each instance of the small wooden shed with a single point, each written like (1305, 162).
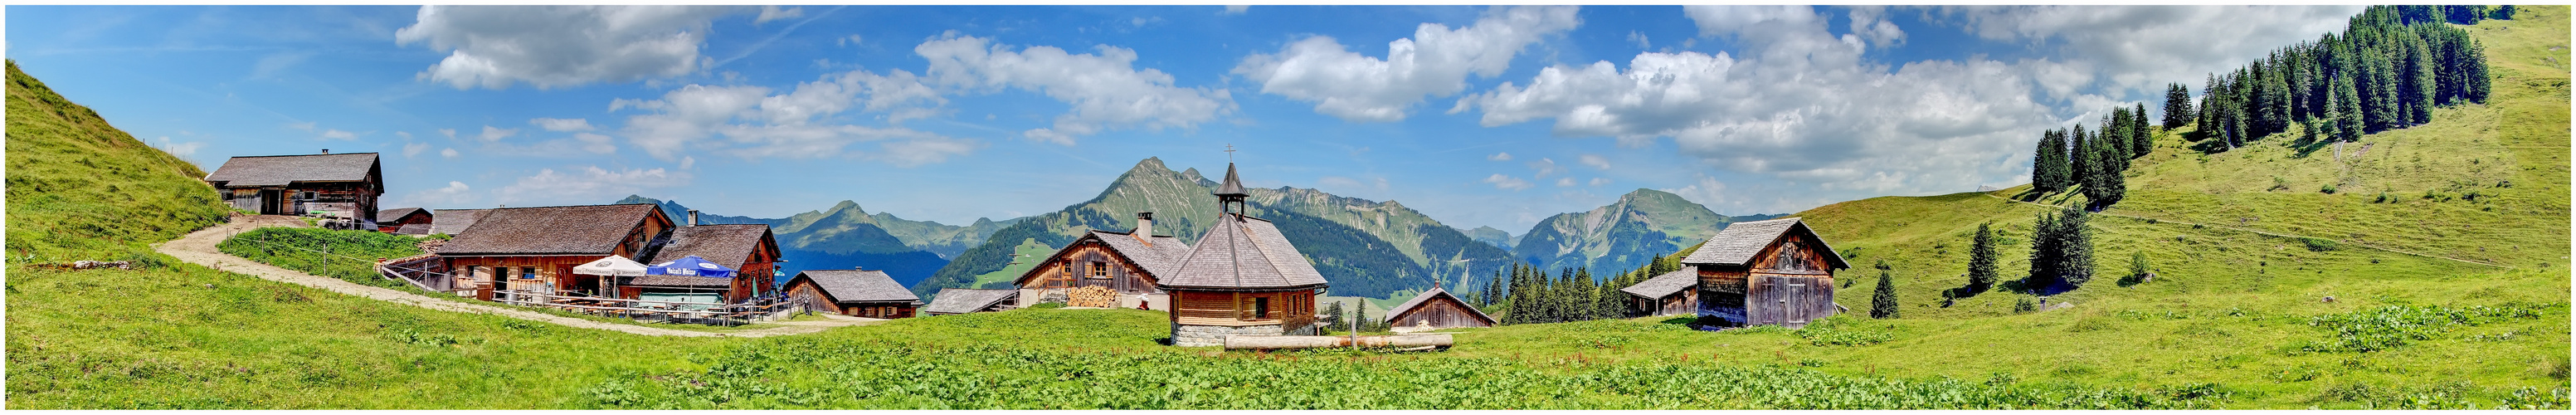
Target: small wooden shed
(968, 300)
(337, 185)
(1669, 294)
(1766, 272)
(1435, 309)
(861, 293)
(395, 219)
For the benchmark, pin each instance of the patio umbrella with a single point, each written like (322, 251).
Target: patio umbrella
(690, 265)
(613, 265)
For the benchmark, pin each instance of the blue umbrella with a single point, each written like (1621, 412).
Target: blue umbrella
(690, 265)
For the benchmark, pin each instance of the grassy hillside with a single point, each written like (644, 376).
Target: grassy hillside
(173, 335)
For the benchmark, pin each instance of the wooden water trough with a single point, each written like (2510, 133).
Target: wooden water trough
(1409, 341)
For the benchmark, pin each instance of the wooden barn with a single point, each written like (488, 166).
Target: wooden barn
(1435, 309)
(871, 294)
(407, 221)
(750, 250)
(1766, 272)
(337, 185)
(968, 300)
(1108, 269)
(1243, 279)
(534, 249)
(1670, 294)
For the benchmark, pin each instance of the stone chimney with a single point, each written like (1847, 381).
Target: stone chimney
(693, 217)
(1144, 227)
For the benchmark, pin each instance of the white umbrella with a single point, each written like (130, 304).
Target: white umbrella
(613, 265)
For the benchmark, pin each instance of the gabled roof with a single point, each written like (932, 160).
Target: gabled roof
(453, 221)
(851, 286)
(251, 171)
(1244, 253)
(1664, 285)
(1425, 298)
(726, 245)
(413, 229)
(553, 230)
(395, 214)
(1742, 240)
(1160, 258)
(966, 300)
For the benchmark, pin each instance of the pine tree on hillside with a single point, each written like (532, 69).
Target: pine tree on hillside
(2347, 107)
(2141, 134)
(2177, 106)
(1981, 260)
(2079, 158)
(2049, 169)
(1882, 301)
(2076, 240)
(2044, 251)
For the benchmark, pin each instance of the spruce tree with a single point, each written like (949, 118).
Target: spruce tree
(2049, 171)
(1981, 260)
(2177, 106)
(1882, 301)
(2138, 264)
(2076, 240)
(2142, 136)
(2417, 83)
(2079, 156)
(2348, 123)
(2044, 251)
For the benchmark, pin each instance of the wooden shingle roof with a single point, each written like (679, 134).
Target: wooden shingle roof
(1160, 258)
(966, 300)
(553, 230)
(1737, 245)
(1664, 285)
(253, 171)
(395, 214)
(1244, 253)
(1425, 297)
(453, 221)
(726, 245)
(851, 286)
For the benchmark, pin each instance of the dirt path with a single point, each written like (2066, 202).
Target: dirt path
(2246, 230)
(199, 248)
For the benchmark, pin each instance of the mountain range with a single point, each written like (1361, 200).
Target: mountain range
(847, 236)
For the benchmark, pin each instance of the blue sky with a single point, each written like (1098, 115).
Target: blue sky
(1477, 116)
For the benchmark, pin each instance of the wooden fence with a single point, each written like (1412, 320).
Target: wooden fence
(674, 311)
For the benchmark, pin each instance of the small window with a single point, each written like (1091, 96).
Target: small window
(527, 273)
(1099, 269)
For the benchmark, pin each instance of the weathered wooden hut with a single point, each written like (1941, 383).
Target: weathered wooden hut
(1669, 294)
(1242, 279)
(969, 300)
(1125, 264)
(861, 293)
(1766, 272)
(393, 220)
(534, 249)
(1435, 309)
(749, 249)
(453, 221)
(337, 185)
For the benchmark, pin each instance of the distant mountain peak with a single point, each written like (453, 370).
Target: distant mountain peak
(1151, 164)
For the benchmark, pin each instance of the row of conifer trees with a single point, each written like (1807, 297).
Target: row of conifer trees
(2388, 69)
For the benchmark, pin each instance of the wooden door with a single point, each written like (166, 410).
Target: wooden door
(272, 202)
(1793, 301)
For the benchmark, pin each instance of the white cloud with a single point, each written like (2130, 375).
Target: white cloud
(1141, 21)
(1105, 89)
(588, 184)
(595, 143)
(1565, 182)
(338, 135)
(768, 13)
(847, 40)
(1799, 104)
(1640, 38)
(753, 122)
(455, 194)
(414, 149)
(1501, 181)
(449, 132)
(496, 134)
(1598, 181)
(1594, 160)
(406, 135)
(1236, 9)
(1500, 157)
(559, 46)
(1870, 23)
(562, 125)
(183, 150)
(447, 152)
(2141, 48)
(1435, 62)
(1544, 166)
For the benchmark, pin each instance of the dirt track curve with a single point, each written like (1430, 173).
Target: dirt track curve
(199, 248)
